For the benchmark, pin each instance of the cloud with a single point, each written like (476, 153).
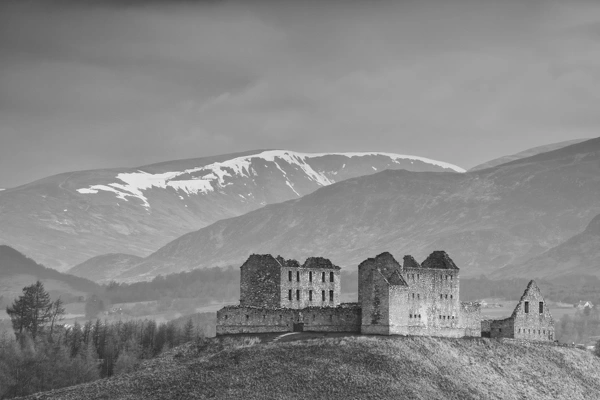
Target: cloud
(102, 84)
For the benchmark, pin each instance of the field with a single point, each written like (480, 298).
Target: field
(356, 367)
(557, 310)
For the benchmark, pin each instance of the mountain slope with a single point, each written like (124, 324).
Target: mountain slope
(103, 268)
(484, 219)
(363, 367)
(526, 153)
(578, 255)
(18, 271)
(65, 219)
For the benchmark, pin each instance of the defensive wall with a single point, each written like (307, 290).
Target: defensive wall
(238, 319)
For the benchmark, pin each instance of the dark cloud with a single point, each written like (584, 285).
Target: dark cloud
(93, 84)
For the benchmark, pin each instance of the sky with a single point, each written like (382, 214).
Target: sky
(99, 84)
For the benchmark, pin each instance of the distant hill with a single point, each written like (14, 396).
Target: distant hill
(18, 271)
(484, 219)
(357, 368)
(104, 268)
(526, 153)
(578, 255)
(65, 219)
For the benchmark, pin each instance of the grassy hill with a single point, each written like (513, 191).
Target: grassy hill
(356, 367)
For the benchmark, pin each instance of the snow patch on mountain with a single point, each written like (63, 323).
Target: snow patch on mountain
(212, 176)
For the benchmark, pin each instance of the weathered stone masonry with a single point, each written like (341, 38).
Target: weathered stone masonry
(414, 299)
(531, 319)
(278, 295)
(237, 319)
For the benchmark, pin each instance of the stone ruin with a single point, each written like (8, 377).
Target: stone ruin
(278, 295)
(531, 319)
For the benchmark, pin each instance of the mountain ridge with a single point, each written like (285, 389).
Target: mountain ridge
(578, 254)
(525, 153)
(484, 219)
(66, 219)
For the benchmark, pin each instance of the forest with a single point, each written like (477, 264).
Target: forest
(43, 354)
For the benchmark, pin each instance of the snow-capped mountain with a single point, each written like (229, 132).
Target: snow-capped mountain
(485, 219)
(68, 218)
(321, 169)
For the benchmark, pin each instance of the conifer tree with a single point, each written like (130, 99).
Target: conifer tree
(188, 331)
(56, 313)
(32, 310)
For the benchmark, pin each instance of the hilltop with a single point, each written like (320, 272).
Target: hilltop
(526, 153)
(356, 367)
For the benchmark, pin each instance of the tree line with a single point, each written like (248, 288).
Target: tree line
(209, 284)
(44, 354)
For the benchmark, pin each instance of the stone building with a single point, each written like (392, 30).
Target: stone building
(270, 282)
(414, 299)
(278, 295)
(531, 319)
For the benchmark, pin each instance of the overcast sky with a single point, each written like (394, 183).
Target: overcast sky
(94, 84)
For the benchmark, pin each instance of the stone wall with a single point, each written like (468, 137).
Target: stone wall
(384, 262)
(260, 278)
(470, 319)
(502, 328)
(343, 318)
(314, 284)
(486, 327)
(375, 305)
(433, 297)
(532, 318)
(399, 310)
(238, 319)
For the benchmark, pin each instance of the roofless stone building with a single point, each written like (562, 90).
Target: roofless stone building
(278, 295)
(530, 320)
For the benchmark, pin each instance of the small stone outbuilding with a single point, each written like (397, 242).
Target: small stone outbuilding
(531, 319)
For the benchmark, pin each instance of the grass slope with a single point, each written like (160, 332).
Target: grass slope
(357, 367)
